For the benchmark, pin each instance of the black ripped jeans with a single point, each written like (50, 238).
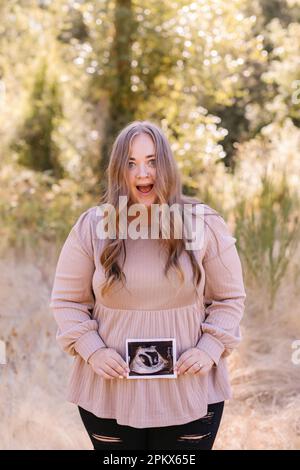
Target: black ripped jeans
(107, 434)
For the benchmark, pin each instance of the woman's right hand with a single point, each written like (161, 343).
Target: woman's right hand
(107, 363)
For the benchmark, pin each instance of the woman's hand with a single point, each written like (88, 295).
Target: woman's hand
(107, 363)
(189, 362)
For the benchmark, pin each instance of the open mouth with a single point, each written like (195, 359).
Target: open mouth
(145, 189)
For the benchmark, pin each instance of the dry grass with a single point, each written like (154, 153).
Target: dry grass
(265, 412)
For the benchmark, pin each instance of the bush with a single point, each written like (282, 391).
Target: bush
(36, 208)
(268, 229)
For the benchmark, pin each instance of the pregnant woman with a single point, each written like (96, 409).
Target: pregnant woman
(110, 288)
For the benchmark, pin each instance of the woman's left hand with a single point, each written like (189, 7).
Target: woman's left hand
(194, 361)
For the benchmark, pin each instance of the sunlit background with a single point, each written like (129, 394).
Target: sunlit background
(222, 78)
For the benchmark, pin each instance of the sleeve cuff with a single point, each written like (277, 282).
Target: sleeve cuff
(212, 346)
(88, 343)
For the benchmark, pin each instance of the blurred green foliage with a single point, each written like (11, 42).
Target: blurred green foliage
(268, 231)
(221, 78)
(35, 141)
(35, 207)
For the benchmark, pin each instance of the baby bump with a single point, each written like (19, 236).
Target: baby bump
(183, 324)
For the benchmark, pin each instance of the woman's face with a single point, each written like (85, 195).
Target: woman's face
(142, 170)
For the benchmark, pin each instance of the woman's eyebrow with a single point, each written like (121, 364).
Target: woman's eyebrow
(147, 156)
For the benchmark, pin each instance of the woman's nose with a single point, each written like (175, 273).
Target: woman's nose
(142, 171)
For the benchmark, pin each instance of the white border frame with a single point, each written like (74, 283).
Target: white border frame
(156, 340)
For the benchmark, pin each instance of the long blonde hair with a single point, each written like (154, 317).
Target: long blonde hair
(168, 188)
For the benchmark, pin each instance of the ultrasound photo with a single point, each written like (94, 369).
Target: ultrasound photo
(151, 358)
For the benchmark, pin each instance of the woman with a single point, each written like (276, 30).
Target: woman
(109, 290)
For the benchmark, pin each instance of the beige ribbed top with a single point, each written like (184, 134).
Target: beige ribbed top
(152, 305)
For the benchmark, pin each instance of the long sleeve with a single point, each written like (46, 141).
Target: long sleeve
(224, 292)
(72, 298)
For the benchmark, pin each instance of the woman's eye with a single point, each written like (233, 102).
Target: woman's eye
(151, 163)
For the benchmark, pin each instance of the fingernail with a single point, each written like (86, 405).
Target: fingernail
(121, 377)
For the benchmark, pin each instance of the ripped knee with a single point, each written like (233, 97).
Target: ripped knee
(207, 419)
(194, 437)
(109, 439)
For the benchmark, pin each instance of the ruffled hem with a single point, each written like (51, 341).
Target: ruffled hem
(150, 423)
(141, 402)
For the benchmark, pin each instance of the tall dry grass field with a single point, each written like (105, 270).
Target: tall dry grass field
(265, 411)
